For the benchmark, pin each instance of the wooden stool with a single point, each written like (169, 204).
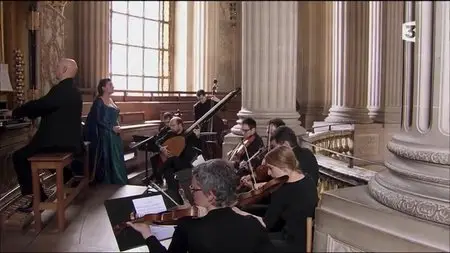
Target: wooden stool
(57, 162)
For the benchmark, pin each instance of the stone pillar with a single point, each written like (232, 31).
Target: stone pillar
(269, 63)
(417, 182)
(374, 94)
(350, 63)
(392, 61)
(312, 60)
(206, 37)
(92, 44)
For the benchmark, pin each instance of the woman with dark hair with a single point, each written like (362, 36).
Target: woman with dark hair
(103, 131)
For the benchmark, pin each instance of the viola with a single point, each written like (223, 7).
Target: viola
(169, 217)
(255, 195)
(240, 149)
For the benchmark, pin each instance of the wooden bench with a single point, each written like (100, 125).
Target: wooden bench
(64, 195)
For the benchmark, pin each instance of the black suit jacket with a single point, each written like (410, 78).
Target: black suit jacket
(60, 112)
(191, 142)
(221, 230)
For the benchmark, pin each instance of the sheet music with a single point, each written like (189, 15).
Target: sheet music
(162, 232)
(152, 204)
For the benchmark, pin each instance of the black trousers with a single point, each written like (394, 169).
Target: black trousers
(23, 168)
(169, 167)
(156, 171)
(282, 245)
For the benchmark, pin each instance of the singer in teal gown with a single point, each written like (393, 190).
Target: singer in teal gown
(106, 148)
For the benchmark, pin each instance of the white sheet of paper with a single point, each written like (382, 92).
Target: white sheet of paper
(162, 232)
(152, 204)
(198, 160)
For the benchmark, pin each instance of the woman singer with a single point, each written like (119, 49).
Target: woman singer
(103, 131)
(291, 204)
(221, 229)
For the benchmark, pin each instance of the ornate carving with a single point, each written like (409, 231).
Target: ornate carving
(57, 6)
(416, 206)
(419, 155)
(52, 45)
(19, 77)
(334, 245)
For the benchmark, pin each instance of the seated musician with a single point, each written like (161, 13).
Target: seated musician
(285, 136)
(184, 160)
(274, 124)
(164, 128)
(291, 204)
(59, 128)
(221, 229)
(254, 144)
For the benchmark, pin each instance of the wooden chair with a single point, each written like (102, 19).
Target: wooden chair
(309, 234)
(64, 195)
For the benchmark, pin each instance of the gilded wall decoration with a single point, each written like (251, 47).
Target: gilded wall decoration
(51, 42)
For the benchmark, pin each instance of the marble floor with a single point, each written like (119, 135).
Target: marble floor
(88, 228)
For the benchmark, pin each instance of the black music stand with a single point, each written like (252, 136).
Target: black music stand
(119, 210)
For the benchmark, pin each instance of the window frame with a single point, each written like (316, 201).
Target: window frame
(160, 50)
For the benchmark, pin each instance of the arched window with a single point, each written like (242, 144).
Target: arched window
(139, 45)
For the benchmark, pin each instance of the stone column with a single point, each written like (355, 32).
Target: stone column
(92, 44)
(269, 63)
(393, 60)
(350, 63)
(417, 182)
(206, 36)
(374, 94)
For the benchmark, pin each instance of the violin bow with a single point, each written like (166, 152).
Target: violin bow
(162, 192)
(250, 166)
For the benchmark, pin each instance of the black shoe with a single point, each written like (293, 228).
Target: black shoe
(28, 208)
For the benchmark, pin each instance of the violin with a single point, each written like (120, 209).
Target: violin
(241, 148)
(255, 195)
(169, 217)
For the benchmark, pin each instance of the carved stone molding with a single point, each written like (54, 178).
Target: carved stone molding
(57, 6)
(402, 169)
(334, 245)
(420, 207)
(419, 155)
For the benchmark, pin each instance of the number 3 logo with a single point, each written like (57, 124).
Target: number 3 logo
(409, 31)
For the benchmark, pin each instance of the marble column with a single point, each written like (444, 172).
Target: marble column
(350, 62)
(417, 182)
(392, 61)
(374, 94)
(206, 38)
(92, 44)
(269, 63)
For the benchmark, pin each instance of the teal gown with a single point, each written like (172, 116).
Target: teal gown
(106, 148)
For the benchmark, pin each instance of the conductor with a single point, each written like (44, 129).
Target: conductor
(59, 129)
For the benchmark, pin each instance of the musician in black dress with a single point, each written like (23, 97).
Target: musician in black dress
(184, 160)
(291, 204)
(285, 136)
(155, 160)
(221, 229)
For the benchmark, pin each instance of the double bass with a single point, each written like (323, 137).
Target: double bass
(176, 144)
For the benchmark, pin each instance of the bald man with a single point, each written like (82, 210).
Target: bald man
(59, 129)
